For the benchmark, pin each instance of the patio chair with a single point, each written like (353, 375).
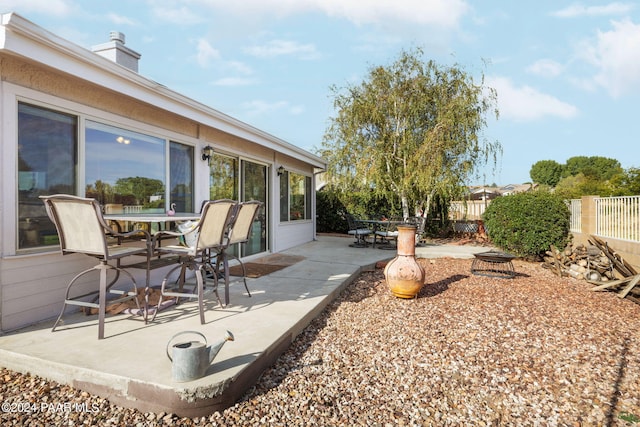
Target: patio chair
(359, 230)
(388, 233)
(208, 235)
(82, 229)
(239, 232)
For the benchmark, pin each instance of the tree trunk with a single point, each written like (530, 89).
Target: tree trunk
(405, 207)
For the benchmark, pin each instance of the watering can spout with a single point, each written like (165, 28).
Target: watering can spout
(215, 348)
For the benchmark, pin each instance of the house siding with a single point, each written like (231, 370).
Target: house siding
(41, 68)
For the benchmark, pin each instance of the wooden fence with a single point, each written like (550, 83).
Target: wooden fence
(471, 210)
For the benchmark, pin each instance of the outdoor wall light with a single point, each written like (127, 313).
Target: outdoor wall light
(207, 152)
(280, 170)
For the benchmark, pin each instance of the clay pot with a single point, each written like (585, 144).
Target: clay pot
(404, 275)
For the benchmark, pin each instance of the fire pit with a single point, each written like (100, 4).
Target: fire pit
(493, 264)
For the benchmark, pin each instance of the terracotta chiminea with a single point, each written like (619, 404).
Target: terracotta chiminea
(405, 277)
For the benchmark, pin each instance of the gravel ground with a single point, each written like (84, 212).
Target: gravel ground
(535, 350)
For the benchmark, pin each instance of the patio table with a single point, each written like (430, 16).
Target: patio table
(150, 218)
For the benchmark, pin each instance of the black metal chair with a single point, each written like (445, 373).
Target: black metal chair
(388, 233)
(82, 229)
(359, 230)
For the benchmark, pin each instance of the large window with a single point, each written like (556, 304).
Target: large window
(125, 170)
(47, 164)
(295, 197)
(181, 177)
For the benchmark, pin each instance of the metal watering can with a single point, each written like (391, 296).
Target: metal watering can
(190, 360)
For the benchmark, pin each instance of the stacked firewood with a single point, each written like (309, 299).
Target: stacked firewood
(581, 262)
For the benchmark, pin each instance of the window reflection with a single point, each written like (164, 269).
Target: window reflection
(284, 196)
(223, 177)
(181, 176)
(47, 162)
(254, 187)
(295, 197)
(125, 170)
(224, 183)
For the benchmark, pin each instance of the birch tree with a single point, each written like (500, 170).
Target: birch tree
(409, 131)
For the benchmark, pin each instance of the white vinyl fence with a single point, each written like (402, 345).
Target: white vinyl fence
(575, 207)
(616, 217)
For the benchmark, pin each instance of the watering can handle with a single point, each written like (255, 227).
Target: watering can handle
(183, 333)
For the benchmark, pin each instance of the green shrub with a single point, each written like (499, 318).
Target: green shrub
(332, 204)
(330, 213)
(527, 224)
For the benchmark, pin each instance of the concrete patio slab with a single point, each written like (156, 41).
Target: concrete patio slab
(130, 366)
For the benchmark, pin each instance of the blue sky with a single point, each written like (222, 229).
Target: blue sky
(567, 74)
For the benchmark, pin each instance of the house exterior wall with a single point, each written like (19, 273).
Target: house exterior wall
(291, 234)
(32, 285)
(64, 86)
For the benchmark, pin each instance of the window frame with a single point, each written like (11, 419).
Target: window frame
(239, 181)
(50, 151)
(286, 196)
(14, 95)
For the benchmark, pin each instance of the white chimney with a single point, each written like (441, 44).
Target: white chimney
(116, 51)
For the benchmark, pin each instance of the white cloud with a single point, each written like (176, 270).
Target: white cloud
(616, 56)
(577, 9)
(526, 103)
(234, 81)
(283, 47)
(546, 68)
(376, 41)
(239, 67)
(444, 13)
(120, 20)
(177, 15)
(206, 53)
(296, 110)
(261, 108)
(50, 7)
(441, 13)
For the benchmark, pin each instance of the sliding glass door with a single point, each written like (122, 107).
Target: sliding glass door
(255, 187)
(243, 180)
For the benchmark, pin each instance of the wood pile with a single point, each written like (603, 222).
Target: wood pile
(624, 268)
(627, 286)
(599, 265)
(581, 262)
